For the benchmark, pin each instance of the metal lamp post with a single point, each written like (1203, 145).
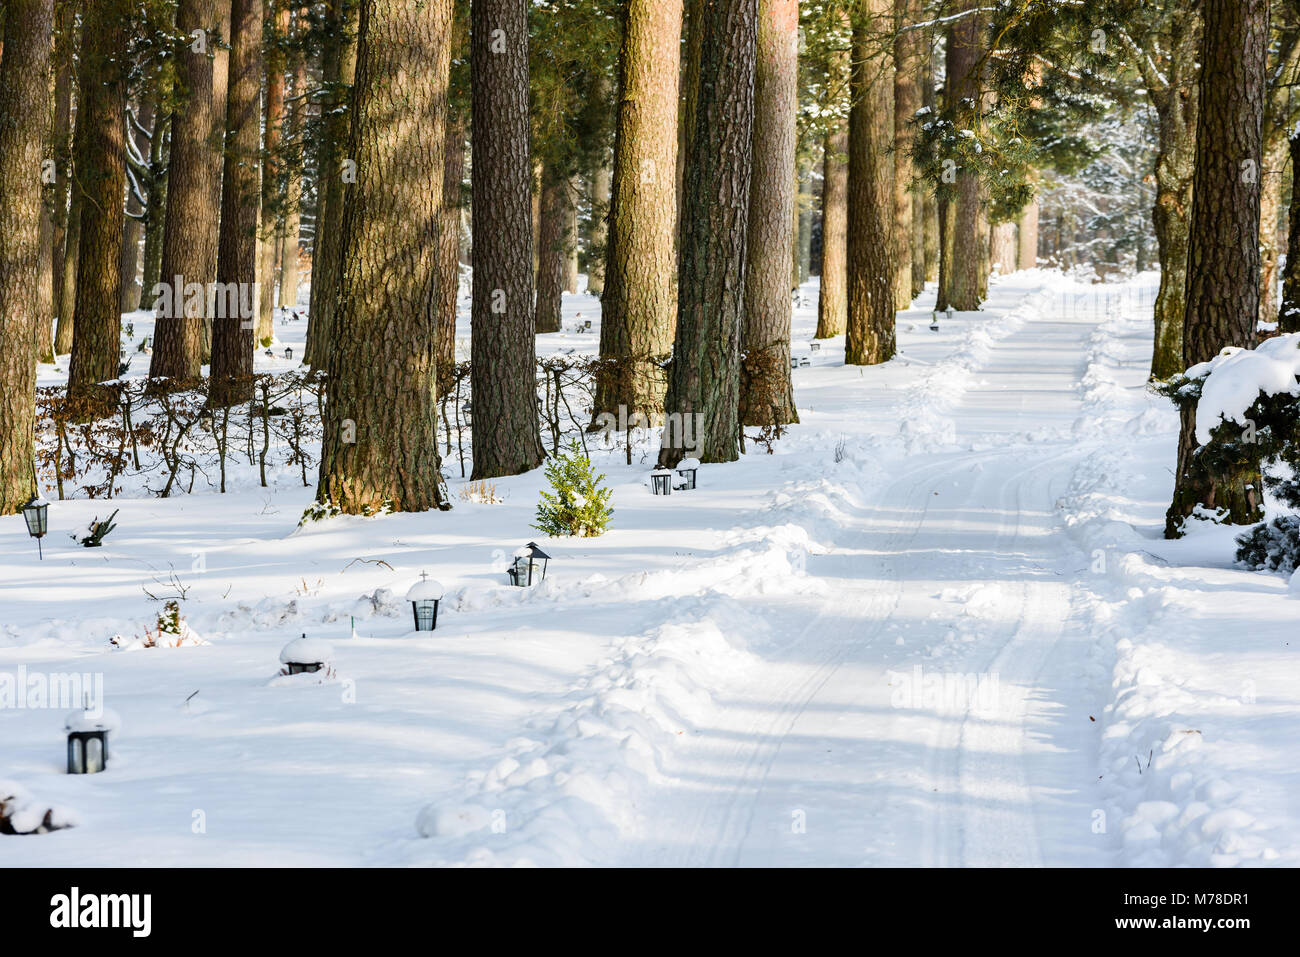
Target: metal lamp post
(36, 515)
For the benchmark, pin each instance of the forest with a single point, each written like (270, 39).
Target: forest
(860, 368)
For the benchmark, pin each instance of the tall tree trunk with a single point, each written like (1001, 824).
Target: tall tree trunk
(133, 225)
(189, 249)
(1223, 256)
(766, 394)
(61, 150)
(969, 223)
(45, 286)
(832, 297)
(870, 336)
(929, 201)
(156, 223)
(601, 180)
(100, 166)
(272, 212)
(381, 421)
(704, 375)
(803, 220)
(63, 329)
(294, 123)
(232, 335)
(502, 350)
(216, 154)
(1288, 317)
(571, 236)
(1002, 248)
(640, 294)
(339, 59)
(1176, 111)
(24, 120)
(907, 100)
(552, 254)
(1027, 237)
(1270, 213)
(449, 246)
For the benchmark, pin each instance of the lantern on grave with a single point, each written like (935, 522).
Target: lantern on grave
(794, 362)
(815, 347)
(424, 596)
(949, 311)
(288, 352)
(36, 515)
(661, 482)
(305, 655)
(529, 565)
(687, 468)
(88, 740)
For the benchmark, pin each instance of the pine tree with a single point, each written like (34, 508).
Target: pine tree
(705, 370)
(870, 336)
(1223, 257)
(766, 393)
(639, 297)
(380, 447)
(502, 347)
(24, 115)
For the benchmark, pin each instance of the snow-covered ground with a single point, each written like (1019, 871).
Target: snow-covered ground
(938, 625)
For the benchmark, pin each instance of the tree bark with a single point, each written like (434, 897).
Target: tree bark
(272, 210)
(216, 153)
(156, 223)
(449, 248)
(61, 151)
(502, 350)
(232, 335)
(907, 100)
(640, 292)
(1176, 107)
(1223, 254)
(295, 115)
(381, 421)
(870, 335)
(1002, 248)
(766, 393)
(339, 59)
(832, 297)
(189, 247)
(969, 222)
(1027, 237)
(1288, 318)
(552, 251)
(24, 119)
(597, 241)
(1270, 212)
(136, 211)
(100, 167)
(703, 377)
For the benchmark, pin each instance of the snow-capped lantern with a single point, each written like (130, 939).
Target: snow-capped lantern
(88, 740)
(424, 596)
(305, 655)
(948, 312)
(529, 564)
(288, 352)
(934, 321)
(36, 515)
(814, 347)
(687, 468)
(661, 481)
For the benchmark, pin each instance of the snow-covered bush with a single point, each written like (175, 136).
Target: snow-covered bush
(1248, 416)
(170, 631)
(1273, 546)
(578, 506)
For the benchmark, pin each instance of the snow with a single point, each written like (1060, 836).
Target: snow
(1235, 378)
(104, 720)
(306, 651)
(428, 589)
(938, 625)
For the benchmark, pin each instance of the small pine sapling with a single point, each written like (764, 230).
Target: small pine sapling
(577, 505)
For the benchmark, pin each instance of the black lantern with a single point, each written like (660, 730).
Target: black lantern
(686, 468)
(88, 740)
(934, 321)
(288, 352)
(305, 655)
(804, 362)
(794, 362)
(661, 482)
(529, 564)
(815, 347)
(36, 515)
(424, 596)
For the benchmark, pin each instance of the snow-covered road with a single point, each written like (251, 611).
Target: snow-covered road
(844, 754)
